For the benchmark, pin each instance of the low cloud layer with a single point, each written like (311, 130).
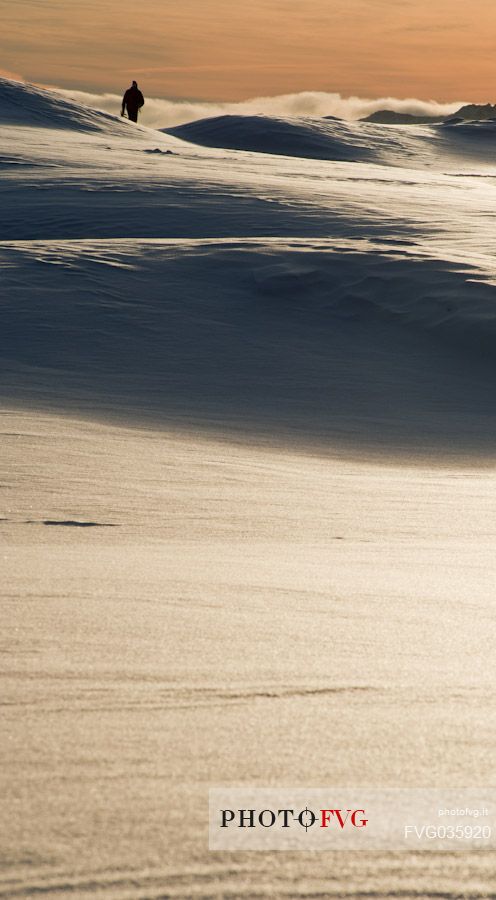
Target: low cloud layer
(167, 113)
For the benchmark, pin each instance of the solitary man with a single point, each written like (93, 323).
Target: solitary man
(132, 101)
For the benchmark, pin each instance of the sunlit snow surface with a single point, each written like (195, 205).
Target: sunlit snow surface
(248, 518)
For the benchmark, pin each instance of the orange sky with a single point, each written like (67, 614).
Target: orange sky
(236, 49)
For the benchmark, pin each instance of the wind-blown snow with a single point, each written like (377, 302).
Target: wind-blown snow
(160, 113)
(248, 431)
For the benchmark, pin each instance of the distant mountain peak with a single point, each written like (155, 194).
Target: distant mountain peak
(476, 111)
(471, 112)
(390, 117)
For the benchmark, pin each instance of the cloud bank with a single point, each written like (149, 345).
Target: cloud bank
(167, 113)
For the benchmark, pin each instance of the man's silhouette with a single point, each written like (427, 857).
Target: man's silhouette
(132, 100)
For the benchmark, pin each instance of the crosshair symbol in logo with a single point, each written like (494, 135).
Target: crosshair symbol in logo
(308, 814)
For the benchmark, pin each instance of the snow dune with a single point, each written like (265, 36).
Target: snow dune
(248, 536)
(310, 343)
(29, 106)
(334, 139)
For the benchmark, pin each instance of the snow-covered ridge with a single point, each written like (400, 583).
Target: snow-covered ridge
(334, 139)
(31, 106)
(326, 138)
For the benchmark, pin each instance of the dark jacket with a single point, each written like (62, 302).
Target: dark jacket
(133, 99)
